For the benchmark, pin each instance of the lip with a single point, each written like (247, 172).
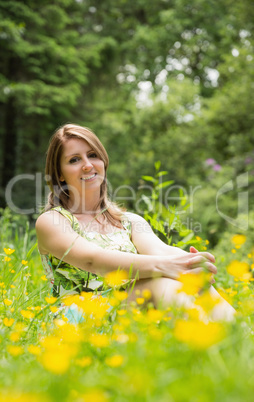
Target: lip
(91, 177)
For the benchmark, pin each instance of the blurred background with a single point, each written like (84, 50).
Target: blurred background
(160, 80)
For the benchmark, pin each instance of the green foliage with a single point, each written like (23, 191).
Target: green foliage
(44, 359)
(142, 77)
(167, 220)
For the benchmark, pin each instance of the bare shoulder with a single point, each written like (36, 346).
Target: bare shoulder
(50, 220)
(139, 224)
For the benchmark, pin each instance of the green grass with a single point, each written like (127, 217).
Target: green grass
(125, 354)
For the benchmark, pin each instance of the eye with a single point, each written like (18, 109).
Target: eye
(74, 159)
(92, 155)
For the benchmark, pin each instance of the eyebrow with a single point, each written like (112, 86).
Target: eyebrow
(77, 153)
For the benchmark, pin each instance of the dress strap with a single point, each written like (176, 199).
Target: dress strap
(126, 224)
(71, 218)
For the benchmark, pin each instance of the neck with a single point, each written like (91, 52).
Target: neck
(87, 204)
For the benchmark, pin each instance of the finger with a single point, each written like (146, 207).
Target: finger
(201, 261)
(196, 260)
(212, 268)
(193, 250)
(195, 271)
(207, 255)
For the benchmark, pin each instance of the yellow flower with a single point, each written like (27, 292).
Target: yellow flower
(147, 294)
(15, 350)
(154, 315)
(116, 278)
(197, 334)
(240, 270)
(207, 301)
(207, 242)
(34, 350)
(54, 309)
(27, 314)
(198, 238)
(124, 321)
(20, 327)
(9, 251)
(94, 395)
(23, 262)
(238, 240)
(192, 283)
(233, 251)
(70, 333)
(8, 321)
(7, 302)
(121, 312)
(225, 295)
(13, 286)
(43, 277)
(84, 361)
(14, 336)
(2, 285)
(114, 361)
(120, 295)
(55, 361)
(140, 300)
(7, 258)
(51, 300)
(99, 340)
(12, 271)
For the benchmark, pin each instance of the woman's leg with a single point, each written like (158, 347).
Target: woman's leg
(165, 293)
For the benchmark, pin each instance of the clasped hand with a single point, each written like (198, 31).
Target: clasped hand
(194, 262)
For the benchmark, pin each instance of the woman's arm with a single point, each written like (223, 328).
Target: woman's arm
(56, 236)
(148, 243)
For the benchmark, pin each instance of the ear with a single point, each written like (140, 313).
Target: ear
(61, 178)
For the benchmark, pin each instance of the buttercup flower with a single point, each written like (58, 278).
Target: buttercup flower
(114, 361)
(84, 361)
(116, 278)
(240, 270)
(43, 277)
(50, 300)
(99, 340)
(9, 251)
(8, 321)
(238, 240)
(27, 314)
(197, 334)
(192, 283)
(7, 302)
(15, 350)
(34, 350)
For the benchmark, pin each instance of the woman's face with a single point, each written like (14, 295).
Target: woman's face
(81, 166)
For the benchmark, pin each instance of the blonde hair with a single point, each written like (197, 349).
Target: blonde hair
(59, 195)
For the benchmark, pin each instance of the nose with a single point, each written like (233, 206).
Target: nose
(87, 165)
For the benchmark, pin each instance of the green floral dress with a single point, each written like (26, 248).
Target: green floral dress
(65, 278)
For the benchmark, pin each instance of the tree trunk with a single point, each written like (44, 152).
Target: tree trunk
(9, 144)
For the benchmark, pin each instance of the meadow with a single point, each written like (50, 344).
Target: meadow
(121, 352)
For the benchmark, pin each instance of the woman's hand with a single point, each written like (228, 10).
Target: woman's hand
(194, 261)
(194, 250)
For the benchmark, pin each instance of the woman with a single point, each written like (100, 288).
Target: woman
(82, 234)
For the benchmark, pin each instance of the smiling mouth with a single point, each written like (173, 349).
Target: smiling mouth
(88, 177)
